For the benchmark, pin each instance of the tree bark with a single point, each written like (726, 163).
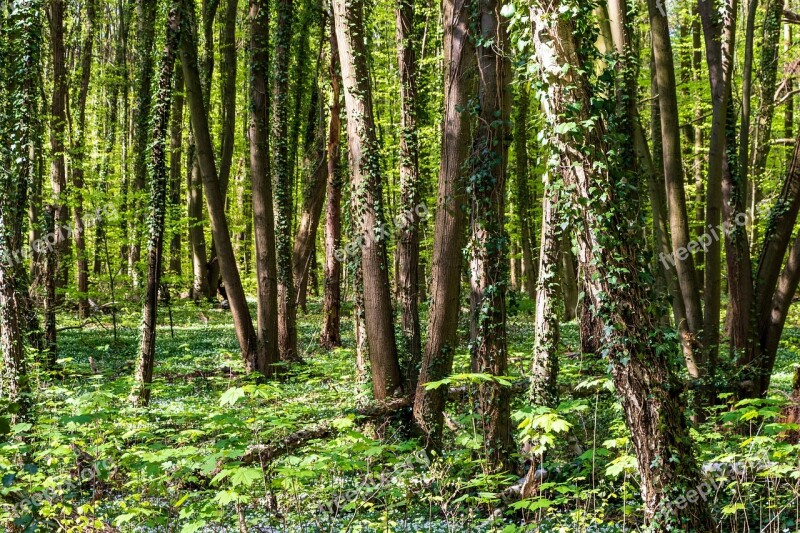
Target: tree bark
(408, 230)
(367, 181)
(227, 68)
(140, 395)
(263, 217)
(332, 299)
(243, 324)
(282, 178)
(523, 195)
(450, 221)
(175, 171)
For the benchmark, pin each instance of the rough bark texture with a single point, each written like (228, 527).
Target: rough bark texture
(263, 217)
(140, 395)
(332, 299)
(618, 282)
(450, 220)
(242, 322)
(408, 230)
(368, 198)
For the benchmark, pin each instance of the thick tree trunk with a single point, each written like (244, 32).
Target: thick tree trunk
(450, 221)
(408, 230)
(78, 161)
(141, 135)
(263, 217)
(618, 282)
(316, 168)
(332, 299)
(367, 181)
(140, 395)
(488, 237)
(284, 184)
(242, 322)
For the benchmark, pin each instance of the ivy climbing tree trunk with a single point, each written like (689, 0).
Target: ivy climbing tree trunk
(408, 232)
(243, 325)
(368, 198)
(488, 242)
(78, 162)
(140, 395)
(263, 217)
(448, 240)
(605, 193)
(146, 15)
(282, 168)
(332, 298)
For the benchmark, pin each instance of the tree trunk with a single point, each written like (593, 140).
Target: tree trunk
(140, 395)
(227, 69)
(141, 135)
(408, 228)
(197, 235)
(78, 161)
(618, 282)
(488, 238)
(676, 196)
(263, 217)
(569, 279)
(448, 240)
(332, 299)
(367, 181)
(523, 200)
(282, 178)
(209, 12)
(175, 171)
(242, 322)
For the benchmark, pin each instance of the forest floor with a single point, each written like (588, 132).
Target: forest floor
(91, 462)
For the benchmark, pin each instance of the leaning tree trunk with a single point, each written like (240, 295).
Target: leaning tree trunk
(408, 232)
(263, 218)
(489, 244)
(282, 168)
(450, 221)
(364, 155)
(618, 281)
(332, 298)
(316, 167)
(140, 395)
(78, 162)
(141, 134)
(242, 322)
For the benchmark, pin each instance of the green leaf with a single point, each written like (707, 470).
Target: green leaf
(231, 396)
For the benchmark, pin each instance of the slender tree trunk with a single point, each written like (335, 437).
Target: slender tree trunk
(227, 69)
(368, 187)
(618, 282)
(489, 243)
(197, 235)
(140, 395)
(176, 171)
(332, 299)
(243, 324)
(448, 241)
(569, 279)
(263, 217)
(316, 168)
(523, 195)
(141, 134)
(408, 230)
(209, 11)
(676, 196)
(78, 161)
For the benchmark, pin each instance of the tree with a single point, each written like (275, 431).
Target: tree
(523, 194)
(450, 222)
(263, 218)
(140, 395)
(243, 324)
(368, 197)
(605, 193)
(331, 310)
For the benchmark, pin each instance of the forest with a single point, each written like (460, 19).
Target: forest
(399, 266)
